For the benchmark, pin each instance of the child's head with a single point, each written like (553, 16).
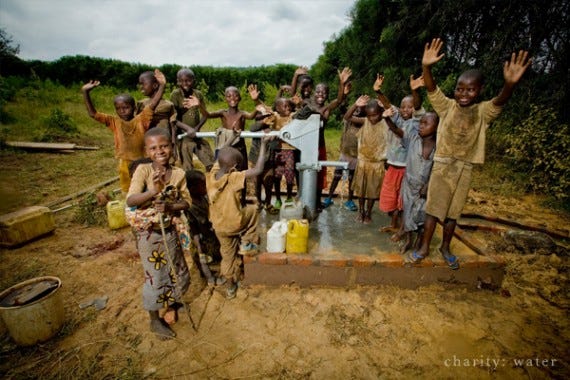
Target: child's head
(125, 106)
(306, 86)
(321, 93)
(229, 158)
(134, 165)
(196, 183)
(148, 83)
(283, 106)
(232, 95)
(428, 124)
(158, 145)
(373, 111)
(185, 79)
(407, 107)
(469, 86)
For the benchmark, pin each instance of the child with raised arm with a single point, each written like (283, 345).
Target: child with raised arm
(160, 189)
(406, 117)
(233, 119)
(164, 112)
(235, 225)
(460, 142)
(371, 155)
(189, 121)
(420, 144)
(128, 129)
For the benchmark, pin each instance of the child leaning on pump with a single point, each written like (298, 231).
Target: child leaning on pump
(460, 142)
(235, 226)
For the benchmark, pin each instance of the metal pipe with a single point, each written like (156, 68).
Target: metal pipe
(244, 134)
(336, 164)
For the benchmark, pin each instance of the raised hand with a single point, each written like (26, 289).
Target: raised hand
(160, 78)
(346, 88)
(431, 52)
(514, 69)
(417, 82)
(191, 101)
(362, 101)
(253, 92)
(378, 82)
(389, 112)
(301, 70)
(90, 85)
(344, 75)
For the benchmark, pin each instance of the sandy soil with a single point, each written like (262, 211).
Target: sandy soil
(518, 331)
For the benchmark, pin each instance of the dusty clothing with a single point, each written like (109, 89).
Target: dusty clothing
(461, 130)
(285, 165)
(164, 113)
(200, 225)
(223, 135)
(371, 155)
(448, 188)
(417, 176)
(124, 176)
(233, 223)
(349, 140)
(189, 146)
(128, 135)
(166, 272)
(395, 151)
(390, 194)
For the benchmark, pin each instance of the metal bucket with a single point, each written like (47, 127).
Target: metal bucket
(33, 310)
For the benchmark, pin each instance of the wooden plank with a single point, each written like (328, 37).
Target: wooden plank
(85, 191)
(29, 145)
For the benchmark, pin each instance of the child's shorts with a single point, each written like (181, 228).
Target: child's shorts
(390, 193)
(448, 188)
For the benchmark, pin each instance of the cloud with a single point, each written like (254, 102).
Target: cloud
(200, 32)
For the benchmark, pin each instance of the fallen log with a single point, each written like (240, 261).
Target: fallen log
(82, 192)
(48, 146)
(511, 223)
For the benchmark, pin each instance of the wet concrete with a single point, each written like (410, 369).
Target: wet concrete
(344, 252)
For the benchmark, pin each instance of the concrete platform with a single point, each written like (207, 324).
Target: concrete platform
(345, 253)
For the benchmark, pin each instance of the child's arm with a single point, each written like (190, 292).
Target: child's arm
(343, 77)
(430, 57)
(386, 115)
(161, 79)
(360, 102)
(302, 70)
(258, 168)
(191, 132)
(512, 72)
(87, 87)
(377, 86)
(414, 85)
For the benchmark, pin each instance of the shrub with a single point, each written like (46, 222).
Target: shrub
(539, 147)
(58, 126)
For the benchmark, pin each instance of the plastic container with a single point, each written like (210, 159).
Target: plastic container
(276, 237)
(116, 214)
(291, 210)
(33, 310)
(297, 236)
(24, 225)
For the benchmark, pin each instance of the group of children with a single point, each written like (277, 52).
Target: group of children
(390, 153)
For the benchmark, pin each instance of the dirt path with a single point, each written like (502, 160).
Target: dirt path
(290, 332)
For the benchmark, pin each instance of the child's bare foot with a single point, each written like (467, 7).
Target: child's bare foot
(396, 237)
(407, 245)
(359, 218)
(366, 219)
(171, 316)
(388, 229)
(161, 328)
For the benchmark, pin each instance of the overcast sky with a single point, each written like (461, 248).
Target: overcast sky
(184, 32)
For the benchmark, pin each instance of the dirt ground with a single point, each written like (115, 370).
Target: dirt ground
(518, 331)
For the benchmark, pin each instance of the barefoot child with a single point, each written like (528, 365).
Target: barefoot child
(160, 189)
(128, 130)
(235, 226)
(460, 142)
(371, 155)
(420, 145)
(406, 117)
(164, 112)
